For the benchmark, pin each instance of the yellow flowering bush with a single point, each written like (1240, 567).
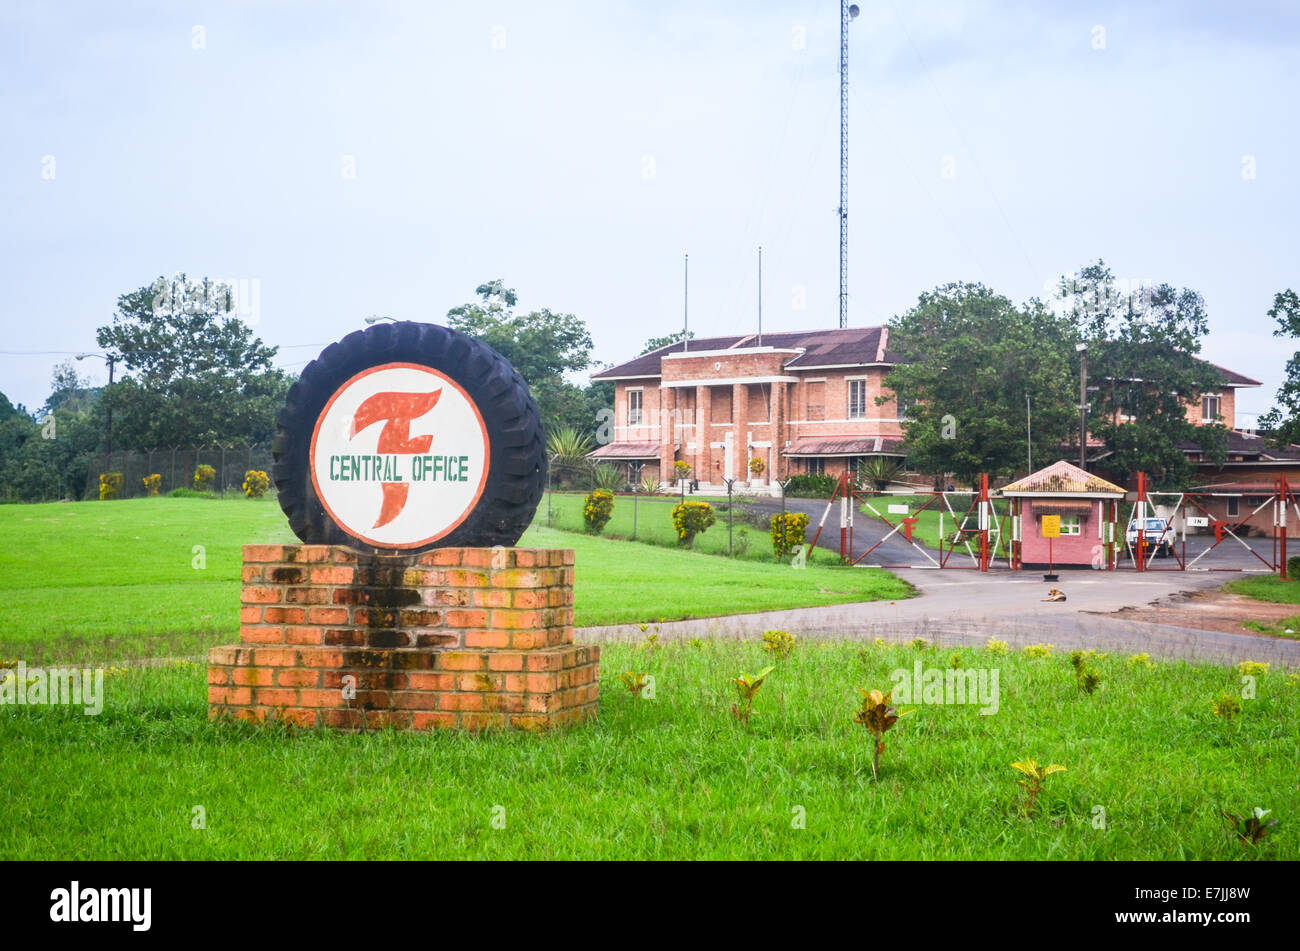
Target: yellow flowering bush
(788, 534)
(691, 518)
(1039, 651)
(756, 467)
(779, 644)
(110, 485)
(204, 476)
(597, 508)
(256, 482)
(995, 646)
(1252, 668)
(152, 484)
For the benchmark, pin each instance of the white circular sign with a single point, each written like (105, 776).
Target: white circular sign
(399, 456)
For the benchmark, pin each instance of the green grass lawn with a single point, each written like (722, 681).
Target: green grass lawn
(1266, 588)
(1274, 589)
(160, 577)
(654, 526)
(676, 776)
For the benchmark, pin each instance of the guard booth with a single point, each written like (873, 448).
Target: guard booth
(1063, 517)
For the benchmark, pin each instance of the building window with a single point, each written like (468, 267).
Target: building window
(1070, 525)
(1234, 506)
(857, 399)
(634, 414)
(816, 466)
(1209, 408)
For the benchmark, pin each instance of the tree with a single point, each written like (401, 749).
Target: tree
(195, 373)
(967, 359)
(543, 346)
(1283, 421)
(654, 343)
(1142, 355)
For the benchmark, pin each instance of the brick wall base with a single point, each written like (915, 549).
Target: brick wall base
(470, 638)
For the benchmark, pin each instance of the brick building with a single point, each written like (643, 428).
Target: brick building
(800, 402)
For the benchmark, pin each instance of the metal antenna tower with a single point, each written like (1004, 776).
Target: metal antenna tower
(848, 11)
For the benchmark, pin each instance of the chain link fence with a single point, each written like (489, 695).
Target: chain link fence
(177, 468)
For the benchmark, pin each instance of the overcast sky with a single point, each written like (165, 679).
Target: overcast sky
(344, 159)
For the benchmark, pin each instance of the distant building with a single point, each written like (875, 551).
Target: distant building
(803, 402)
(799, 402)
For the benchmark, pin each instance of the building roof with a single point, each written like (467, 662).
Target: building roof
(1251, 446)
(1231, 378)
(626, 450)
(846, 347)
(846, 446)
(1062, 478)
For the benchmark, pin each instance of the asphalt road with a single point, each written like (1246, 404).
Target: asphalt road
(955, 606)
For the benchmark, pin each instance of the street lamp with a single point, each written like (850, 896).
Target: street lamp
(1082, 350)
(110, 359)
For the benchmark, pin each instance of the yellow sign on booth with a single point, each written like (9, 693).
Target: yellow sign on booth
(1051, 527)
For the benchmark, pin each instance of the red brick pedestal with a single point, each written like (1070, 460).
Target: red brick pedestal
(455, 637)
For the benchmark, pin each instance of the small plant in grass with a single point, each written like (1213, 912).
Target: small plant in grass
(690, 519)
(1252, 668)
(1293, 680)
(1142, 661)
(696, 643)
(1252, 828)
(1086, 677)
(742, 541)
(597, 508)
(1035, 776)
(877, 716)
(152, 484)
(918, 643)
(651, 641)
(256, 482)
(635, 682)
(994, 646)
(780, 644)
(955, 661)
(204, 476)
(110, 485)
(788, 531)
(1226, 706)
(1038, 651)
(746, 688)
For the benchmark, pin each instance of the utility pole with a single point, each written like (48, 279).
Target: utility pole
(1029, 432)
(847, 12)
(1083, 404)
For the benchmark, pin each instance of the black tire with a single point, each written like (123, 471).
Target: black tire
(517, 468)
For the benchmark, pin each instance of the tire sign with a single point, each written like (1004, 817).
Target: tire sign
(400, 455)
(408, 436)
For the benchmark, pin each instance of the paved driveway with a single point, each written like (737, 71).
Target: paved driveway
(968, 607)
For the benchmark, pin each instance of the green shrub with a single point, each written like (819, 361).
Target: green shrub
(204, 476)
(691, 518)
(1293, 568)
(597, 508)
(811, 486)
(788, 532)
(256, 482)
(110, 485)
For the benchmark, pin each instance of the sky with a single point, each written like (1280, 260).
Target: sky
(335, 160)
